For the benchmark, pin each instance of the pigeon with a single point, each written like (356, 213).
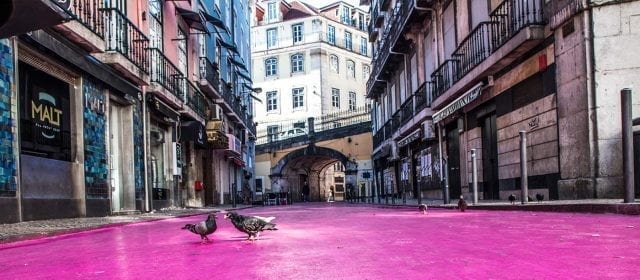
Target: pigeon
(512, 198)
(462, 205)
(203, 228)
(529, 198)
(422, 208)
(266, 219)
(540, 197)
(249, 224)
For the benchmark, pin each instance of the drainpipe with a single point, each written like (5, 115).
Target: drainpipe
(14, 47)
(145, 150)
(591, 94)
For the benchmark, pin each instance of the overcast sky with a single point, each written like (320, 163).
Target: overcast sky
(322, 3)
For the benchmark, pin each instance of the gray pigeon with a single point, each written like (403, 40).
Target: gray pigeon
(203, 228)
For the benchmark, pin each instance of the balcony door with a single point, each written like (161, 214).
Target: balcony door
(116, 22)
(478, 11)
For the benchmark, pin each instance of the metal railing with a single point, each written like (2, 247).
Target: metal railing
(423, 96)
(475, 48)
(445, 76)
(293, 128)
(87, 12)
(123, 36)
(513, 15)
(194, 98)
(406, 110)
(166, 74)
(209, 72)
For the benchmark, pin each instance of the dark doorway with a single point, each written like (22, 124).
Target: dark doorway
(490, 158)
(453, 161)
(301, 181)
(209, 192)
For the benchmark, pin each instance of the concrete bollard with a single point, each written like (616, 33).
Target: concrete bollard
(627, 145)
(474, 175)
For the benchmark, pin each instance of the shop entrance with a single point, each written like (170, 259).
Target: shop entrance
(490, 158)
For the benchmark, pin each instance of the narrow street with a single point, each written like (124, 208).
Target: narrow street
(334, 241)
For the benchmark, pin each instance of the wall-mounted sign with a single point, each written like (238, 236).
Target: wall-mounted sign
(177, 158)
(412, 137)
(94, 103)
(457, 104)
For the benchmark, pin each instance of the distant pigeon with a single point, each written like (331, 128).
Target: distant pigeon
(529, 198)
(540, 197)
(462, 204)
(203, 228)
(512, 198)
(422, 208)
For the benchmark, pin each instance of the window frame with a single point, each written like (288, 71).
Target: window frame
(337, 63)
(331, 34)
(272, 101)
(297, 65)
(352, 100)
(364, 48)
(348, 43)
(299, 29)
(297, 98)
(272, 41)
(335, 98)
(267, 68)
(351, 69)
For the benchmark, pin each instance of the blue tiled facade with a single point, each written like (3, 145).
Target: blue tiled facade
(7, 153)
(138, 140)
(95, 146)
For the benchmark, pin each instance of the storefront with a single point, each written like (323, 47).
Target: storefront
(164, 154)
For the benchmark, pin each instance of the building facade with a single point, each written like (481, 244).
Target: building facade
(126, 106)
(310, 62)
(457, 80)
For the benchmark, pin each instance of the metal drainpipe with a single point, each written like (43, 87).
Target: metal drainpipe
(145, 150)
(14, 47)
(591, 94)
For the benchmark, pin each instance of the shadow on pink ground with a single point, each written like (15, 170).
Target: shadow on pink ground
(321, 241)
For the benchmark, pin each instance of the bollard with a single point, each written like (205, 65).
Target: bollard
(474, 175)
(447, 199)
(627, 145)
(524, 180)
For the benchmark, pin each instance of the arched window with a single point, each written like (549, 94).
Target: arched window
(271, 66)
(297, 63)
(333, 62)
(351, 69)
(365, 72)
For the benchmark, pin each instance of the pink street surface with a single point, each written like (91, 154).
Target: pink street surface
(322, 241)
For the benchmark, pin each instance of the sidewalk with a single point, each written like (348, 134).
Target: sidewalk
(40, 228)
(614, 206)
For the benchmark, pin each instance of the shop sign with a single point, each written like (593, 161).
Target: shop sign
(46, 115)
(457, 104)
(94, 103)
(412, 137)
(177, 158)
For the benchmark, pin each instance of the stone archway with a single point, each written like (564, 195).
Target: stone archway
(309, 161)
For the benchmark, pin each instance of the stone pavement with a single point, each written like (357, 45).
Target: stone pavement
(40, 228)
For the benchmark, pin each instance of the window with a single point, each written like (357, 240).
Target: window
(272, 34)
(331, 34)
(155, 24)
(346, 15)
(351, 69)
(272, 101)
(335, 97)
(361, 23)
(363, 46)
(297, 63)
(333, 63)
(272, 133)
(182, 52)
(271, 66)
(347, 40)
(297, 32)
(272, 11)
(298, 98)
(365, 72)
(352, 100)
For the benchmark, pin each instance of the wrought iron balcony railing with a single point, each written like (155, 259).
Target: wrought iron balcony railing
(123, 36)
(194, 98)
(423, 96)
(445, 76)
(475, 48)
(209, 72)
(406, 110)
(88, 13)
(378, 137)
(166, 74)
(512, 16)
(388, 129)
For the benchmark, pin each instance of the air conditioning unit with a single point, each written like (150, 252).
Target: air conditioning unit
(216, 112)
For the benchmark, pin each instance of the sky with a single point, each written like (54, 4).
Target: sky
(322, 3)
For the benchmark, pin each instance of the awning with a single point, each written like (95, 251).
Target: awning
(230, 46)
(215, 21)
(457, 104)
(383, 152)
(193, 19)
(237, 161)
(156, 105)
(17, 16)
(412, 137)
(193, 131)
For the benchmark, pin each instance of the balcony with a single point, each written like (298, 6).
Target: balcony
(406, 110)
(126, 46)
(515, 27)
(166, 79)
(209, 81)
(88, 27)
(378, 137)
(195, 100)
(423, 96)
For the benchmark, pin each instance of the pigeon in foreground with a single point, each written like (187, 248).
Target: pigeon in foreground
(540, 197)
(512, 198)
(462, 204)
(422, 208)
(249, 225)
(203, 228)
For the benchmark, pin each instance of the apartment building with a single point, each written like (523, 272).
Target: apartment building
(455, 78)
(121, 106)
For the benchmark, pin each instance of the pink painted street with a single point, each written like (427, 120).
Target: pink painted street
(334, 241)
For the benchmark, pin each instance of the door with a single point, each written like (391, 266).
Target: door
(490, 158)
(115, 158)
(208, 181)
(453, 166)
